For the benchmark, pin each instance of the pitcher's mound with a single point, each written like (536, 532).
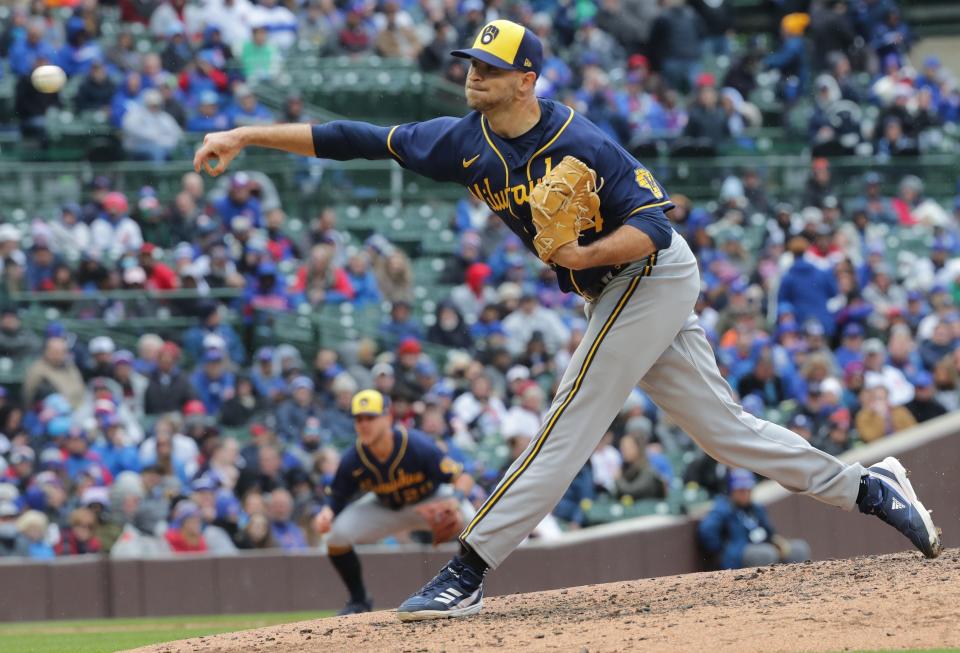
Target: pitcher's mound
(874, 602)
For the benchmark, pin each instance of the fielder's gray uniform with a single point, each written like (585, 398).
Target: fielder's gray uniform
(366, 521)
(642, 329)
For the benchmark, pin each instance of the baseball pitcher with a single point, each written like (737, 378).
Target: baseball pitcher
(587, 207)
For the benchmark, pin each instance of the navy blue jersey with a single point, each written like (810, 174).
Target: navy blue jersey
(502, 172)
(413, 472)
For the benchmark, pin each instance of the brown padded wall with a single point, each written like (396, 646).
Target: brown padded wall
(183, 585)
(125, 588)
(246, 584)
(24, 591)
(86, 577)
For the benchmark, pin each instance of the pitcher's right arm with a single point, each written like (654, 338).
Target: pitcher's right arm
(426, 147)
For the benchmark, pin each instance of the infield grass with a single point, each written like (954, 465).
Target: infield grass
(108, 635)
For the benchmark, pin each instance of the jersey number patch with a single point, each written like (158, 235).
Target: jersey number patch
(645, 180)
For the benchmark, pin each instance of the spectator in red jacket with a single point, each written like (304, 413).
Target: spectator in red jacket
(79, 538)
(185, 534)
(159, 276)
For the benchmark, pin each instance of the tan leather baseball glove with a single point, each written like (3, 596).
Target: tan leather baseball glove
(564, 204)
(444, 518)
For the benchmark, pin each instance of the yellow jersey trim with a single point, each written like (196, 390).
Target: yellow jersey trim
(390, 146)
(366, 462)
(549, 143)
(505, 485)
(574, 282)
(648, 206)
(391, 474)
(506, 168)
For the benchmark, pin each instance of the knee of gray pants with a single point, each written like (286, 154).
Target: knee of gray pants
(760, 555)
(339, 537)
(799, 551)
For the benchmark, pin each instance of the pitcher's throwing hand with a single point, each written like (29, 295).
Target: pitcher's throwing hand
(222, 147)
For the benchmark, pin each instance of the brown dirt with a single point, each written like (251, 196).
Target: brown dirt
(873, 602)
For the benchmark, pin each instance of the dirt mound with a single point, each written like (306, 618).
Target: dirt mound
(874, 602)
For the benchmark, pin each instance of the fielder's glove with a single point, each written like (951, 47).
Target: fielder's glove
(444, 518)
(564, 204)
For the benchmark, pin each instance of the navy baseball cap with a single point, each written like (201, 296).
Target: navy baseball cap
(205, 483)
(505, 44)
(852, 330)
(922, 379)
(740, 479)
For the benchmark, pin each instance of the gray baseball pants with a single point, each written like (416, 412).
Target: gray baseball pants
(642, 329)
(366, 521)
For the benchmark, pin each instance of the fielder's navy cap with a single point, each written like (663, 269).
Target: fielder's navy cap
(505, 44)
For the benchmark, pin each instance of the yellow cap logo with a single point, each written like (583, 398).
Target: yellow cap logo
(367, 402)
(501, 38)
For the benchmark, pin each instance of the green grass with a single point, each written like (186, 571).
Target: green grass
(915, 650)
(108, 635)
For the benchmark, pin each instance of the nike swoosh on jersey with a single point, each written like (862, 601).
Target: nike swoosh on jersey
(467, 164)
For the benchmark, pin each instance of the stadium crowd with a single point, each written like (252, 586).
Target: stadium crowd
(136, 452)
(645, 71)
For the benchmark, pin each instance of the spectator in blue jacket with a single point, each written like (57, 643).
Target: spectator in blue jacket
(892, 36)
(208, 117)
(33, 528)
(362, 279)
(239, 200)
(850, 347)
(80, 51)
(808, 288)
(868, 15)
(40, 266)
(400, 326)
(114, 453)
(79, 457)
(266, 382)
(246, 110)
(212, 382)
(791, 59)
(570, 508)
(293, 413)
(738, 533)
(285, 531)
(212, 325)
(267, 292)
(125, 95)
(25, 51)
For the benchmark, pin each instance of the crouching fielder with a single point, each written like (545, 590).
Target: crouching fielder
(407, 482)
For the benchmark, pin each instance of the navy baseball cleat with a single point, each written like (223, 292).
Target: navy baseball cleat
(457, 591)
(356, 607)
(890, 497)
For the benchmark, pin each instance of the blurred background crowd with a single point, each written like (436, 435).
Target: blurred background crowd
(166, 394)
(652, 73)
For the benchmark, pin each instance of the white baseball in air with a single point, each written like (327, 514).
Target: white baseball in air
(48, 79)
